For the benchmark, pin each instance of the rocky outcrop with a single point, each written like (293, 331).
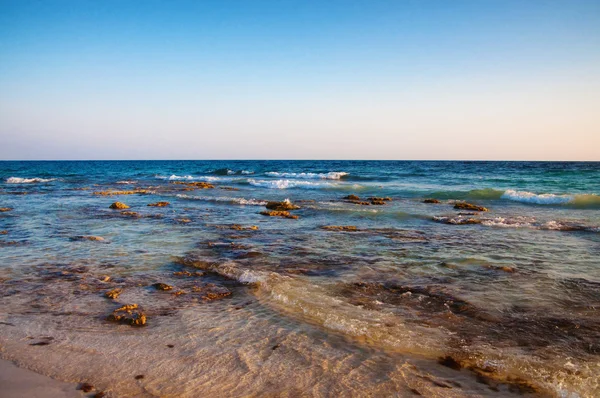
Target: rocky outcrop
(351, 197)
(196, 184)
(431, 201)
(285, 205)
(469, 206)
(129, 314)
(5, 209)
(162, 286)
(118, 206)
(347, 228)
(285, 214)
(113, 294)
(159, 204)
(4, 232)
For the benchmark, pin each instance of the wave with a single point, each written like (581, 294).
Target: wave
(520, 222)
(579, 201)
(127, 182)
(316, 304)
(239, 201)
(175, 177)
(332, 175)
(285, 184)
(19, 180)
(229, 172)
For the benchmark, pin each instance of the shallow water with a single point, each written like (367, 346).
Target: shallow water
(510, 297)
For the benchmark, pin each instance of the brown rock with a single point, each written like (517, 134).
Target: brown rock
(378, 199)
(378, 202)
(4, 209)
(196, 185)
(469, 206)
(88, 237)
(85, 387)
(347, 228)
(5, 232)
(281, 206)
(131, 192)
(184, 220)
(159, 204)
(130, 214)
(162, 286)
(119, 206)
(351, 197)
(129, 314)
(113, 294)
(431, 201)
(285, 214)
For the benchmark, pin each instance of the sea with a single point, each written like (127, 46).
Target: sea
(379, 281)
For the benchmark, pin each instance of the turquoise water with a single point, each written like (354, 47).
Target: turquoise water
(512, 293)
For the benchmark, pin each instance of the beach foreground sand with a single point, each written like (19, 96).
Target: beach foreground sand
(17, 382)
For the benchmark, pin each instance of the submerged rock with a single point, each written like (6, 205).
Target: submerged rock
(469, 206)
(162, 286)
(348, 228)
(4, 209)
(113, 294)
(285, 214)
(431, 201)
(159, 204)
(456, 220)
(378, 199)
(88, 237)
(118, 206)
(130, 192)
(351, 197)
(129, 314)
(197, 184)
(282, 206)
(131, 214)
(183, 220)
(4, 232)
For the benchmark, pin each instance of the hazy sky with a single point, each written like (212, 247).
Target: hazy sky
(254, 79)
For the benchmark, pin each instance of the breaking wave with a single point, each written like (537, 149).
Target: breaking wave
(239, 201)
(333, 175)
(580, 201)
(285, 184)
(19, 180)
(175, 177)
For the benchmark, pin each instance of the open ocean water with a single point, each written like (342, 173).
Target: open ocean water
(409, 298)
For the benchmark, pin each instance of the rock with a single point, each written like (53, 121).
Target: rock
(139, 377)
(378, 202)
(5, 232)
(184, 220)
(159, 204)
(457, 220)
(129, 314)
(88, 237)
(131, 192)
(130, 214)
(113, 294)
(450, 362)
(229, 188)
(282, 206)
(351, 197)
(378, 199)
(196, 185)
(469, 206)
(162, 286)
(431, 201)
(285, 214)
(347, 228)
(85, 387)
(4, 209)
(118, 206)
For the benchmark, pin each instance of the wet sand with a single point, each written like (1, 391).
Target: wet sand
(17, 382)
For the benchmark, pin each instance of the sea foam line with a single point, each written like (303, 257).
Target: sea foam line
(332, 175)
(19, 180)
(285, 184)
(239, 201)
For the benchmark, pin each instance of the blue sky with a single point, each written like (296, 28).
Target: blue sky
(300, 79)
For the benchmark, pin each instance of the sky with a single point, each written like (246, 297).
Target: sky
(302, 79)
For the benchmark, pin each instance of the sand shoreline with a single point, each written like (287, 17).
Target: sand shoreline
(16, 382)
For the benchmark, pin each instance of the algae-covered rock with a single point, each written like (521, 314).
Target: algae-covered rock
(351, 197)
(162, 286)
(347, 228)
(285, 214)
(469, 206)
(282, 206)
(431, 201)
(113, 294)
(118, 206)
(159, 204)
(129, 314)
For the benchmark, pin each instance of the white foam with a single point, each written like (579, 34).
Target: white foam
(240, 201)
(19, 180)
(542, 199)
(175, 177)
(126, 182)
(333, 175)
(285, 184)
(247, 172)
